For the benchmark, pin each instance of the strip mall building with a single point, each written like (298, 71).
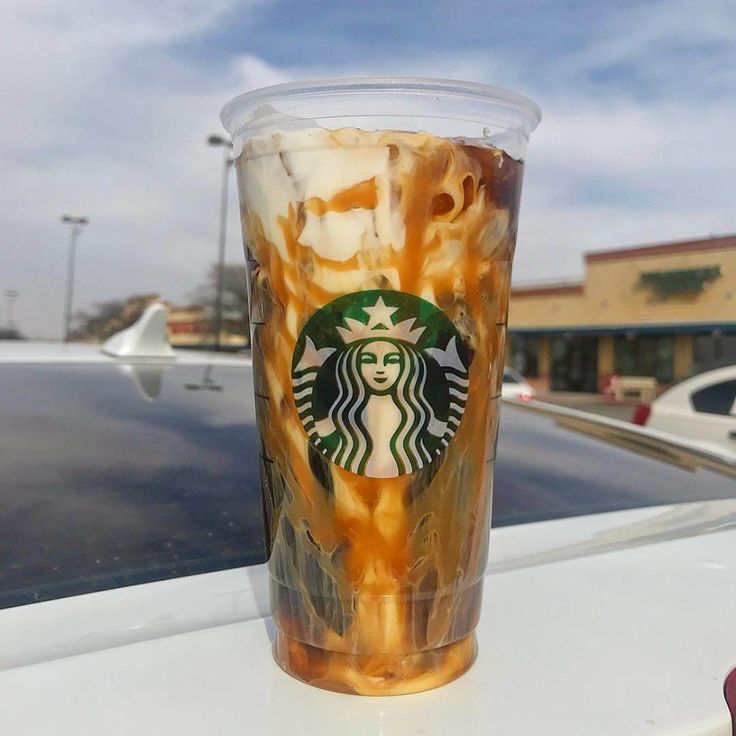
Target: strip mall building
(666, 311)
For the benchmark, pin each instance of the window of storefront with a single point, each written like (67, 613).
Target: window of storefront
(523, 354)
(713, 351)
(645, 355)
(574, 363)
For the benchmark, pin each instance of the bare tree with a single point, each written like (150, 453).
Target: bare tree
(234, 299)
(107, 318)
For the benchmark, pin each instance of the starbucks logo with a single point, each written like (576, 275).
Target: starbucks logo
(380, 380)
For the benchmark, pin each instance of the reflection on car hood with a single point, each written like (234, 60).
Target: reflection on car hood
(115, 473)
(555, 463)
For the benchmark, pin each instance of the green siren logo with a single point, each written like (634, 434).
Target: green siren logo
(380, 380)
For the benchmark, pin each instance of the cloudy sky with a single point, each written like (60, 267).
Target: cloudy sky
(108, 106)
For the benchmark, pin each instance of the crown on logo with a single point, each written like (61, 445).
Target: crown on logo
(380, 324)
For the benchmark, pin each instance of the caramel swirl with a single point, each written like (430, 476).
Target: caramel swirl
(376, 582)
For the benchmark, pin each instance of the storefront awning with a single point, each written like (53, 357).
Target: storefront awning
(664, 328)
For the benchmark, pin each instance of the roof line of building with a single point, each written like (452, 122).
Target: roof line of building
(567, 286)
(551, 288)
(715, 242)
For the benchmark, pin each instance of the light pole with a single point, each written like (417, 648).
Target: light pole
(11, 295)
(218, 140)
(77, 224)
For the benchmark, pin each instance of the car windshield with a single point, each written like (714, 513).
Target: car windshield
(114, 475)
(509, 377)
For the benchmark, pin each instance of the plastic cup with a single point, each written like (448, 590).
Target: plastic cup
(379, 221)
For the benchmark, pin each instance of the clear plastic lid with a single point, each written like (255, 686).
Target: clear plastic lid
(442, 107)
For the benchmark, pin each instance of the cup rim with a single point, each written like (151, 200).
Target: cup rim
(234, 115)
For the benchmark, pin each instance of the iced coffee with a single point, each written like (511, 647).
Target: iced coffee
(379, 267)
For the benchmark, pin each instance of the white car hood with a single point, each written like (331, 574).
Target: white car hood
(619, 623)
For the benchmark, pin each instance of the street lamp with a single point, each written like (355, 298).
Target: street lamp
(11, 295)
(77, 223)
(218, 140)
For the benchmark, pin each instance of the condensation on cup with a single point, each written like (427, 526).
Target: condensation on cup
(379, 220)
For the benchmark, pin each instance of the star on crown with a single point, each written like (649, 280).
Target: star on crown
(380, 324)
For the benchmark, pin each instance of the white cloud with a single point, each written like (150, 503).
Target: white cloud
(103, 119)
(650, 38)
(104, 124)
(664, 167)
(255, 72)
(552, 240)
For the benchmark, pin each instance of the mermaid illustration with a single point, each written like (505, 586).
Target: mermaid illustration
(382, 420)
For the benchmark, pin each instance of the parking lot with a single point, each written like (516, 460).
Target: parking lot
(595, 403)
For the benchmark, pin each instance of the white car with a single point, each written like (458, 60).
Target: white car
(701, 408)
(515, 386)
(134, 598)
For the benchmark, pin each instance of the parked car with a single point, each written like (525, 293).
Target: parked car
(135, 598)
(514, 386)
(701, 408)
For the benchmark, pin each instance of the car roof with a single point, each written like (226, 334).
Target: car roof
(607, 624)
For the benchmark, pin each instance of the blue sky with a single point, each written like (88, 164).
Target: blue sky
(288, 34)
(110, 105)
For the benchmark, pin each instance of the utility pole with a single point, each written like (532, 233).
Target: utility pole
(217, 140)
(77, 223)
(11, 295)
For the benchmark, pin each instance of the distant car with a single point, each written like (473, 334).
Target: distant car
(701, 408)
(515, 386)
